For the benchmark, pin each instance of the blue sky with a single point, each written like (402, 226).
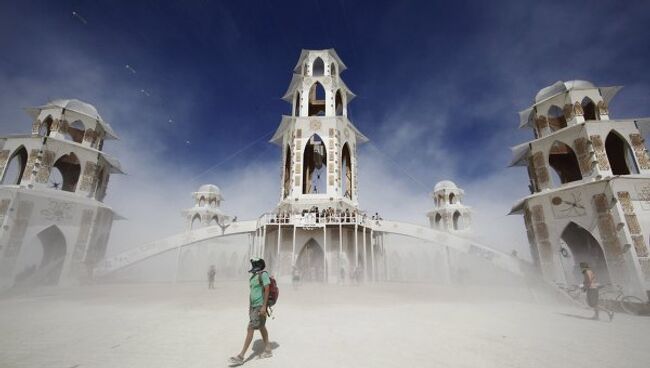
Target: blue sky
(438, 85)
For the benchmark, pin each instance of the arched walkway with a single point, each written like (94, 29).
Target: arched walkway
(41, 264)
(346, 172)
(620, 155)
(583, 247)
(564, 162)
(15, 167)
(314, 176)
(458, 221)
(65, 173)
(310, 262)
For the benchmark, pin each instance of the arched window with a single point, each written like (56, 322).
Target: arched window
(452, 198)
(339, 103)
(214, 221)
(213, 203)
(287, 173)
(202, 201)
(346, 172)
(317, 100)
(589, 109)
(46, 127)
(333, 69)
(556, 120)
(75, 131)
(318, 68)
(441, 200)
(196, 222)
(65, 173)
(15, 168)
(564, 162)
(458, 220)
(620, 155)
(296, 105)
(438, 220)
(314, 166)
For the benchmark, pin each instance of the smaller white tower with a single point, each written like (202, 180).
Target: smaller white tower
(449, 213)
(207, 208)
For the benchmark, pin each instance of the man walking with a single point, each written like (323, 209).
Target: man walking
(259, 284)
(212, 272)
(590, 285)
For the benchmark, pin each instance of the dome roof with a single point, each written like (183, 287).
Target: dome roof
(209, 188)
(80, 107)
(445, 184)
(561, 87)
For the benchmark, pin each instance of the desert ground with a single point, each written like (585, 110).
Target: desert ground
(383, 325)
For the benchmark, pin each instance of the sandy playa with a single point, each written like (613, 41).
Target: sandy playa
(391, 325)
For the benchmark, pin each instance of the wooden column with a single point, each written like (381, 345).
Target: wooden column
(372, 255)
(325, 251)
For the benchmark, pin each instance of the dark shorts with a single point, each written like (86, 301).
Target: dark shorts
(592, 297)
(256, 321)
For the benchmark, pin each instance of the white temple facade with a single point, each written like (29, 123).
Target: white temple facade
(55, 226)
(590, 188)
(207, 208)
(449, 213)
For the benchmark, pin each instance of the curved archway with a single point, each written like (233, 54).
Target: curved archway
(583, 247)
(457, 220)
(202, 201)
(564, 162)
(556, 119)
(15, 167)
(589, 109)
(338, 103)
(317, 100)
(620, 155)
(214, 221)
(346, 172)
(310, 262)
(287, 173)
(438, 220)
(75, 131)
(65, 173)
(196, 222)
(296, 105)
(452, 198)
(318, 67)
(333, 71)
(42, 265)
(314, 166)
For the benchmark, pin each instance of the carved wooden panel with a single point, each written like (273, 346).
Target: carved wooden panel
(584, 156)
(577, 109)
(47, 160)
(602, 108)
(568, 112)
(4, 157)
(599, 150)
(639, 151)
(31, 160)
(89, 177)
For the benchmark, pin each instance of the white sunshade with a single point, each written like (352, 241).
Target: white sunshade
(519, 154)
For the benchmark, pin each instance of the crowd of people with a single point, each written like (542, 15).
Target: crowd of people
(326, 215)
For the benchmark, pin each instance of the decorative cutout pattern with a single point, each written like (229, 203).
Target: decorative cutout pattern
(639, 151)
(599, 150)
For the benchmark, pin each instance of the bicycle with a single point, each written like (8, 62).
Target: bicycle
(628, 303)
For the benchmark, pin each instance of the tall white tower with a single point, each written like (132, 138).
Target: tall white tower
(55, 226)
(590, 187)
(449, 214)
(319, 142)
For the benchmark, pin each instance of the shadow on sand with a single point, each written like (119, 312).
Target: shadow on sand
(577, 316)
(258, 349)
